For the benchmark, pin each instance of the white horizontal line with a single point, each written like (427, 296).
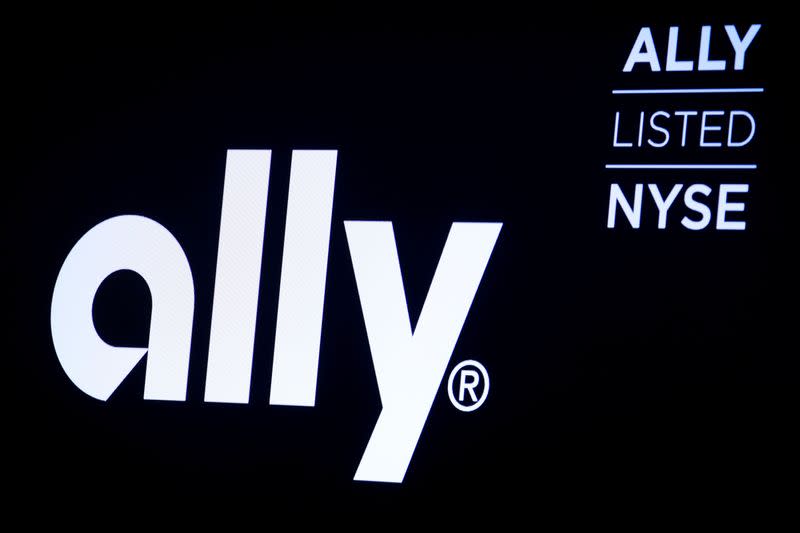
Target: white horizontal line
(682, 167)
(689, 91)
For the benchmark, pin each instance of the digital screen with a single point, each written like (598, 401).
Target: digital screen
(481, 267)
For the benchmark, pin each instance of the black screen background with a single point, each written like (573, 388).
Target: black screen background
(630, 369)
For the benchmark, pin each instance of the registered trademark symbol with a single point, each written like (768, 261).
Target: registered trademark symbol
(472, 376)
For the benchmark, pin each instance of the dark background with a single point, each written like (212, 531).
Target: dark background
(644, 369)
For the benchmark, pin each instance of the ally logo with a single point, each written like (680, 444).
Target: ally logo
(409, 365)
